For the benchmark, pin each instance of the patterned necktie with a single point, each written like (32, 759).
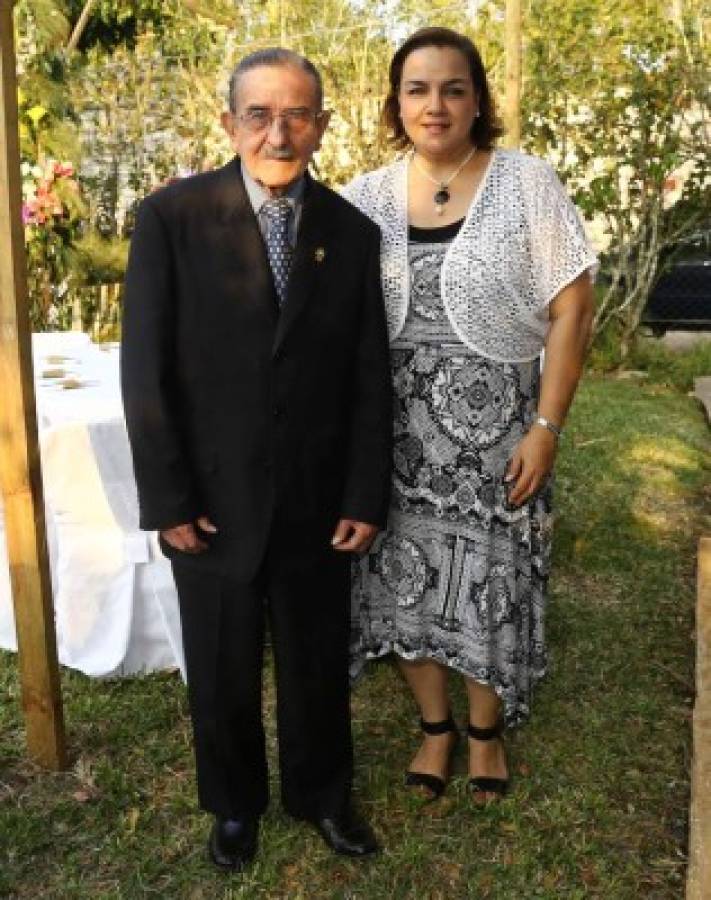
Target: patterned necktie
(277, 211)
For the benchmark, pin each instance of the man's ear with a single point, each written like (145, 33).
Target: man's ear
(227, 120)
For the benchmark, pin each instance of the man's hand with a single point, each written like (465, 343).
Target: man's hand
(185, 537)
(353, 536)
(530, 464)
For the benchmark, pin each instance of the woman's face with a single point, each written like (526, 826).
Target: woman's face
(437, 102)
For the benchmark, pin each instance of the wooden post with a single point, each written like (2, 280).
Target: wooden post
(698, 884)
(20, 474)
(512, 102)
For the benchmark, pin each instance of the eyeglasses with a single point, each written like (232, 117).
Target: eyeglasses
(297, 119)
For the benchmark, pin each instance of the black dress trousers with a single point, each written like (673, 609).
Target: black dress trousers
(303, 586)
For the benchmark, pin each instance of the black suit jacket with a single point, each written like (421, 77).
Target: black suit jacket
(236, 409)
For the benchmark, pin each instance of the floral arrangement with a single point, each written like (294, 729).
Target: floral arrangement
(49, 192)
(52, 212)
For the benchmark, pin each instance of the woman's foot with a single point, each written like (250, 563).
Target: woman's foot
(429, 770)
(489, 776)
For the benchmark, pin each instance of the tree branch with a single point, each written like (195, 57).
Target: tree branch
(79, 27)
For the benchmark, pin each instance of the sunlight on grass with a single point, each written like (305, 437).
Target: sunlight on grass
(662, 462)
(655, 519)
(668, 456)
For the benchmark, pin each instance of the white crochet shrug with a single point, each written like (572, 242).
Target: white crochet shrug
(520, 244)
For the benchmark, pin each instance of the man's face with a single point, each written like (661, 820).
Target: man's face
(275, 152)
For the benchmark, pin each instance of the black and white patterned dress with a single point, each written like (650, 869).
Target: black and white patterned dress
(459, 576)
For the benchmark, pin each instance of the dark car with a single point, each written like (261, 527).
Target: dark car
(681, 298)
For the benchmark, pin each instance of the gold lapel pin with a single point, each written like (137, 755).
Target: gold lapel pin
(320, 254)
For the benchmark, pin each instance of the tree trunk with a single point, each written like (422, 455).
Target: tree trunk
(512, 104)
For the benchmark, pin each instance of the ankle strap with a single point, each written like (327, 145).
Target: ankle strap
(485, 734)
(438, 727)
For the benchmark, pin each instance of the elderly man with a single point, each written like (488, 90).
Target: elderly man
(257, 394)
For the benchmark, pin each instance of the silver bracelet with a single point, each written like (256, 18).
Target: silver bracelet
(545, 423)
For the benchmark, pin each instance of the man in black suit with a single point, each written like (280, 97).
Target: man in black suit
(258, 402)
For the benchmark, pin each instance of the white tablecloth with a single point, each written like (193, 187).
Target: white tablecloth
(116, 609)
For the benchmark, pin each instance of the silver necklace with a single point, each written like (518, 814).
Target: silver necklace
(442, 193)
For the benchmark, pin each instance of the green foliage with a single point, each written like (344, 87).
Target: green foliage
(98, 260)
(47, 126)
(623, 120)
(118, 22)
(604, 354)
(44, 24)
(53, 206)
(673, 368)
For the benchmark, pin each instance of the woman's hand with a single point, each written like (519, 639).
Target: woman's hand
(530, 464)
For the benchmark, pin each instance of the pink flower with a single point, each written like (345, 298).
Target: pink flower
(38, 210)
(63, 170)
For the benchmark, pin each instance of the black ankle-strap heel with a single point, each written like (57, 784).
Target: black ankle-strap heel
(483, 784)
(433, 783)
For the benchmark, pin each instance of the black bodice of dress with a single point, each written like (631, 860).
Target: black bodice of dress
(439, 235)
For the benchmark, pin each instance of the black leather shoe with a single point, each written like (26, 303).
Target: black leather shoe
(347, 834)
(233, 843)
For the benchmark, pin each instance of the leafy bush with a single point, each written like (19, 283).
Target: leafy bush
(676, 369)
(98, 260)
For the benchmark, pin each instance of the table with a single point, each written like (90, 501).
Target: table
(116, 609)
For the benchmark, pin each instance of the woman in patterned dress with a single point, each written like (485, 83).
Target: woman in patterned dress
(484, 262)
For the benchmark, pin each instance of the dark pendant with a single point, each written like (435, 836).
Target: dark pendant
(442, 196)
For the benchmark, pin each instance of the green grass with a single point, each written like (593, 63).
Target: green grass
(599, 806)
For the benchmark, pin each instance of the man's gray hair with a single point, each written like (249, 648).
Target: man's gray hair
(273, 56)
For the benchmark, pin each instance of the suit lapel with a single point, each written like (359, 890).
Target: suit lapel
(312, 248)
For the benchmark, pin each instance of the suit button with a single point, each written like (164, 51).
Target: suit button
(277, 412)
